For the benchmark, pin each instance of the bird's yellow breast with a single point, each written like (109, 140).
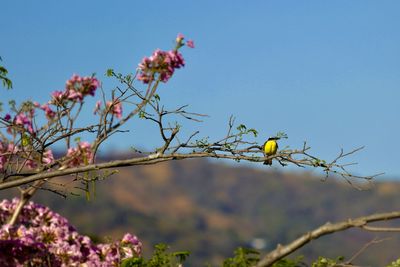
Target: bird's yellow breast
(270, 147)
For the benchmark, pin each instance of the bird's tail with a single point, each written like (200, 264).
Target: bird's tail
(268, 162)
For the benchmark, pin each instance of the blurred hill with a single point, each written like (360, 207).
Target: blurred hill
(210, 209)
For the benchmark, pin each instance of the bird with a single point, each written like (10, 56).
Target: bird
(270, 147)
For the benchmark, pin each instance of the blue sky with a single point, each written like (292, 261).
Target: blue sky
(322, 71)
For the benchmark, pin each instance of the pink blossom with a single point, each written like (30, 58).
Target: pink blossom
(50, 114)
(75, 95)
(97, 107)
(190, 43)
(77, 156)
(115, 108)
(48, 157)
(180, 41)
(58, 97)
(160, 65)
(23, 120)
(30, 164)
(78, 87)
(45, 238)
(12, 148)
(9, 152)
(6, 150)
(180, 38)
(3, 156)
(131, 245)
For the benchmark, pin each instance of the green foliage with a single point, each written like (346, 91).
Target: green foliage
(12, 105)
(110, 72)
(281, 135)
(7, 83)
(156, 97)
(243, 130)
(394, 263)
(249, 257)
(202, 143)
(25, 140)
(244, 257)
(27, 106)
(160, 258)
(326, 262)
(319, 163)
(290, 263)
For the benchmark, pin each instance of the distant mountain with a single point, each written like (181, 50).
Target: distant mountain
(210, 209)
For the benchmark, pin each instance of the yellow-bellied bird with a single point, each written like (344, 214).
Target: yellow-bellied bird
(270, 147)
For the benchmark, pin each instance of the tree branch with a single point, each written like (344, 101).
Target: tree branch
(360, 251)
(151, 159)
(328, 228)
(214, 150)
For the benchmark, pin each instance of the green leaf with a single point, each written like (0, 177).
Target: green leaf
(253, 131)
(181, 255)
(326, 262)
(281, 135)
(244, 257)
(241, 127)
(394, 263)
(3, 77)
(133, 262)
(12, 104)
(26, 141)
(110, 72)
(128, 78)
(157, 97)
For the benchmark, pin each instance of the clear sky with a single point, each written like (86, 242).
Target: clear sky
(323, 71)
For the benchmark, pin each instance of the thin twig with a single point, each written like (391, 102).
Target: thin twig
(367, 245)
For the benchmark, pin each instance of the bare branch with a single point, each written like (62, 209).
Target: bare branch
(360, 251)
(26, 195)
(381, 229)
(328, 228)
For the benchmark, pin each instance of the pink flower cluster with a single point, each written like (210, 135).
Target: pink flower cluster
(76, 89)
(82, 154)
(180, 41)
(5, 151)
(42, 237)
(162, 64)
(10, 152)
(22, 119)
(48, 157)
(50, 114)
